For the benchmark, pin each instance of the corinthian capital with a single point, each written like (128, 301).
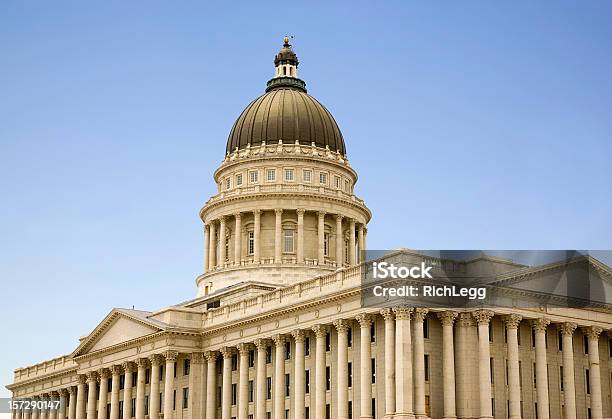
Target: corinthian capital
(244, 348)
(512, 321)
(128, 366)
(156, 359)
(447, 318)
(92, 377)
(115, 369)
(364, 320)
(402, 313)
(540, 325)
(567, 328)
(420, 314)
(226, 352)
(592, 332)
(298, 336)
(320, 330)
(387, 314)
(104, 374)
(197, 358)
(261, 344)
(341, 325)
(482, 317)
(211, 356)
(171, 356)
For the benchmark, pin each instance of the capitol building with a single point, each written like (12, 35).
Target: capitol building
(278, 328)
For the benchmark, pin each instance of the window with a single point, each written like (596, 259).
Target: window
(349, 337)
(251, 391)
(350, 409)
(534, 375)
(251, 243)
(185, 397)
(253, 176)
(268, 388)
(346, 251)
(560, 340)
(251, 358)
(327, 378)
(347, 186)
(147, 376)
(307, 383)
(490, 331)
(492, 369)
(588, 381)
(234, 362)
(373, 366)
(122, 382)
(326, 244)
(373, 332)
(327, 342)
(520, 374)
(323, 178)
(532, 338)
(239, 179)
(327, 411)
(350, 374)
(234, 394)
(307, 412)
(134, 379)
(373, 408)
(337, 182)
(561, 377)
(186, 366)
(506, 362)
(426, 328)
(287, 350)
(287, 385)
(120, 408)
(228, 183)
(161, 372)
(289, 242)
(306, 346)
(286, 413)
(133, 413)
(174, 400)
(586, 343)
(271, 175)
(518, 335)
(289, 175)
(426, 367)
(268, 355)
(307, 176)
(146, 405)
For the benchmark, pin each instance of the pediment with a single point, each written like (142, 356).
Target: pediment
(116, 328)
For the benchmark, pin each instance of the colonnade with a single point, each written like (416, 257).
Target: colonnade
(217, 229)
(404, 376)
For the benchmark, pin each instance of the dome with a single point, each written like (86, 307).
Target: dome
(287, 114)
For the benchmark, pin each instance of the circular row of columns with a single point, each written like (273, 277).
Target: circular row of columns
(404, 375)
(212, 261)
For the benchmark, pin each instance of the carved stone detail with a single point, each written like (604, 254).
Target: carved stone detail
(447, 318)
(341, 325)
(420, 314)
(567, 328)
(364, 320)
(512, 321)
(540, 325)
(402, 313)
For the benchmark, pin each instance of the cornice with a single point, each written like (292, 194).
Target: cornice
(43, 378)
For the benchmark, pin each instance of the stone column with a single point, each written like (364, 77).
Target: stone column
(351, 241)
(141, 364)
(222, 233)
(365, 321)
(514, 385)
(171, 357)
(211, 385)
(206, 246)
(419, 362)
(196, 389)
(339, 241)
(104, 375)
(28, 413)
(72, 391)
(320, 332)
(300, 235)
(260, 397)
(342, 327)
(154, 401)
(539, 326)
(569, 387)
(278, 237)
(53, 396)
(361, 241)
(212, 248)
(128, 367)
(238, 239)
(298, 375)
(483, 317)
(321, 232)
(44, 412)
(257, 236)
(115, 371)
(35, 411)
(447, 318)
(243, 382)
(593, 333)
(279, 376)
(91, 394)
(226, 383)
(403, 364)
(387, 314)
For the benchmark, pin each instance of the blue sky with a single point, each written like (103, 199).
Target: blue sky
(472, 125)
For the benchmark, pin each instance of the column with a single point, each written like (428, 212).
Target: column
(321, 232)
(115, 371)
(171, 357)
(320, 332)
(257, 235)
(154, 401)
(569, 387)
(72, 391)
(365, 321)
(104, 375)
(278, 251)
(27, 412)
(260, 396)
(339, 242)
(361, 243)
(300, 235)
(387, 314)
(483, 317)
(419, 362)
(352, 241)
(196, 385)
(514, 385)
(206, 246)
(298, 377)
(279, 376)
(211, 384)
(91, 394)
(212, 248)
(447, 318)
(238, 239)
(128, 367)
(226, 383)
(342, 327)
(222, 248)
(35, 412)
(44, 412)
(243, 382)
(540, 325)
(52, 411)
(403, 364)
(593, 333)
(141, 364)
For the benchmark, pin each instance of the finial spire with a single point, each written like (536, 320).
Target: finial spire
(286, 43)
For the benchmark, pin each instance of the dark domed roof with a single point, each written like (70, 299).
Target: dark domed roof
(286, 55)
(288, 114)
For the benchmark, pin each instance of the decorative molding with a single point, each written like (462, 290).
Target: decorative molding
(365, 320)
(447, 318)
(483, 317)
(540, 325)
(387, 314)
(512, 321)
(298, 336)
(567, 328)
(320, 331)
(420, 314)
